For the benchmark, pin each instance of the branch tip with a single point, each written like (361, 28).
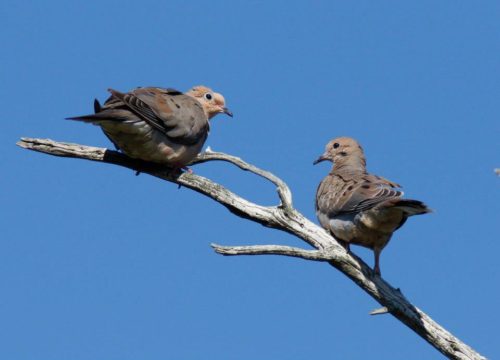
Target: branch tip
(380, 311)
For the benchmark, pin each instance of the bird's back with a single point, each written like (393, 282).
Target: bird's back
(153, 124)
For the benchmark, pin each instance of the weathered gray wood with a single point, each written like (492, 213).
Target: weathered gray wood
(283, 217)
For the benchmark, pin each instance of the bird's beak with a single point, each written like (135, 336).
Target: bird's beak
(320, 159)
(226, 111)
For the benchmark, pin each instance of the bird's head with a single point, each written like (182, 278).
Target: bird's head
(213, 103)
(343, 151)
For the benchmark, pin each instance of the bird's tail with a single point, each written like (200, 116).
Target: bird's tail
(97, 106)
(412, 207)
(86, 118)
(91, 118)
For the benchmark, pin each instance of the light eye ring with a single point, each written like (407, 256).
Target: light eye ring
(208, 96)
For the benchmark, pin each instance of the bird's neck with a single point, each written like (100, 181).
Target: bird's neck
(210, 115)
(353, 165)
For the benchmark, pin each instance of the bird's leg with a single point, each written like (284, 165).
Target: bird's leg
(376, 268)
(345, 245)
(179, 168)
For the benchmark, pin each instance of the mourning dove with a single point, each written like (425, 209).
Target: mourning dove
(357, 207)
(159, 125)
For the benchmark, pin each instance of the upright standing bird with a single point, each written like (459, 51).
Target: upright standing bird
(159, 125)
(357, 207)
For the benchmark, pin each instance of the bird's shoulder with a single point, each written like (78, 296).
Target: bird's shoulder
(331, 191)
(169, 102)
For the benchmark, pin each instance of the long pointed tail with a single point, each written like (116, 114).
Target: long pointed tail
(92, 118)
(85, 118)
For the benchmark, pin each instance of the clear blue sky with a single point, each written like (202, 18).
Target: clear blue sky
(96, 263)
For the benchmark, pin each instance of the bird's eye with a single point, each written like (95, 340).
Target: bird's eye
(336, 145)
(208, 96)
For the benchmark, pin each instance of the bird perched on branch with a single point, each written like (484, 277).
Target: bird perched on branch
(159, 125)
(357, 207)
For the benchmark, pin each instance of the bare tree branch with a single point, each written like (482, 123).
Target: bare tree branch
(282, 188)
(316, 255)
(283, 217)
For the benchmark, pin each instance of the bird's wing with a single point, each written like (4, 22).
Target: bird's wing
(344, 195)
(178, 116)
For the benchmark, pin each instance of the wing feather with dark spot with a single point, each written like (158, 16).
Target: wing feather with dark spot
(339, 194)
(178, 116)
